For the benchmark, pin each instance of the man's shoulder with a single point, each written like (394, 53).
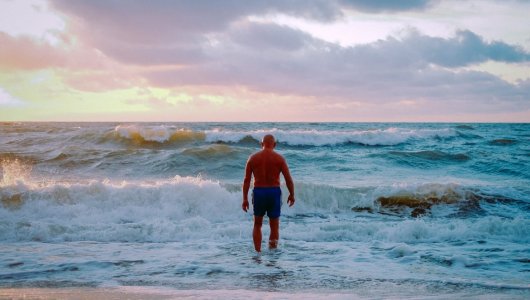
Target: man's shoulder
(254, 156)
(278, 157)
(259, 154)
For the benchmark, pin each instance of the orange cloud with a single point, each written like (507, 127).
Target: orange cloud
(81, 68)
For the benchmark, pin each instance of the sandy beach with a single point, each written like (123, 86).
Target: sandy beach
(133, 293)
(156, 293)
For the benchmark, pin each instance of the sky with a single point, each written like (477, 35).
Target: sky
(275, 60)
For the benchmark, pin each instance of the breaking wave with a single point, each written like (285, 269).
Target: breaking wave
(184, 208)
(157, 134)
(375, 137)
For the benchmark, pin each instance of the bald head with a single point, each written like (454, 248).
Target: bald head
(268, 141)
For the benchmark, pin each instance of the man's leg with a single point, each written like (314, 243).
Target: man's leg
(256, 234)
(275, 232)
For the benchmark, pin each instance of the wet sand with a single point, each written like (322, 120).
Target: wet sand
(133, 293)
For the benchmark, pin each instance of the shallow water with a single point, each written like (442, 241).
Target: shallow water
(425, 208)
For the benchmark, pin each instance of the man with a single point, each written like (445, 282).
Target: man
(266, 166)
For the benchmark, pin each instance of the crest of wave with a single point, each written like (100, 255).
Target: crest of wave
(156, 134)
(14, 171)
(101, 210)
(389, 136)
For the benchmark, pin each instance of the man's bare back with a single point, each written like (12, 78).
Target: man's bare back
(266, 166)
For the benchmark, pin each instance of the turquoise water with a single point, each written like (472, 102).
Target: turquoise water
(413, 208)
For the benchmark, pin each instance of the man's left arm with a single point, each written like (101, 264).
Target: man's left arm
(288, 182)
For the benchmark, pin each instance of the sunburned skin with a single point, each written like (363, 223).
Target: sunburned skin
(266, 166)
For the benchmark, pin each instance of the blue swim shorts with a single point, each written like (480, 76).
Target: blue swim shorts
(267, 200)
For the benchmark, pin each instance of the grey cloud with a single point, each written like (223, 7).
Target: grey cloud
(187, 52)
(384, 71)
(173, 32)
(270, 36)
(467, 48)
(417, 50)
(138, 21)
(388, 5)
(218, 46)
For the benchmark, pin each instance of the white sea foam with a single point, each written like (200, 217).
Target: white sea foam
(389, 136)
(412, 230)
(13, 171)
(165, 210)
(186, 208)
(158, 134)
(151, 133)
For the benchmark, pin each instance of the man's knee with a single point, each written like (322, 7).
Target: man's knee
(274, 223)
(258, 221)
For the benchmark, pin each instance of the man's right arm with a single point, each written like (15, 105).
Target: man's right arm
(246, 185)
(288, 182)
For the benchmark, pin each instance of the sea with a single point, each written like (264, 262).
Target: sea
(383, 210)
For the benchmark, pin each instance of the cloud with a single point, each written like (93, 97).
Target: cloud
(464, 49)
(82, 68)
(25, 53)
(172, 32)
(99, 80)
(269, 37)
(180, 44)
(168, 19)
(388, 5)
(6, 100)
(414, 67)
(175, 32)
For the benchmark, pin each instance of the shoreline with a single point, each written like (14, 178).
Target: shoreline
(155, 292)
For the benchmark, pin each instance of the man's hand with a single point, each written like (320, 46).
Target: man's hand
(244, 206)
(290, 200)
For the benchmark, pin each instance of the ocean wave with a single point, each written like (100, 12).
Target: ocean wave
(157, 134)
(420, 157)
(164, 210)
(415, 230)
(163, 134)
(375, 137)
(503, 142)
(211, 151)
(468, 135)
(184, 208)
(418, 202)
(14, 169)
(403, 199)
(454, 213)
(465, 127)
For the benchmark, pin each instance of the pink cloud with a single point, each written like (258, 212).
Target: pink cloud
(27, 54)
